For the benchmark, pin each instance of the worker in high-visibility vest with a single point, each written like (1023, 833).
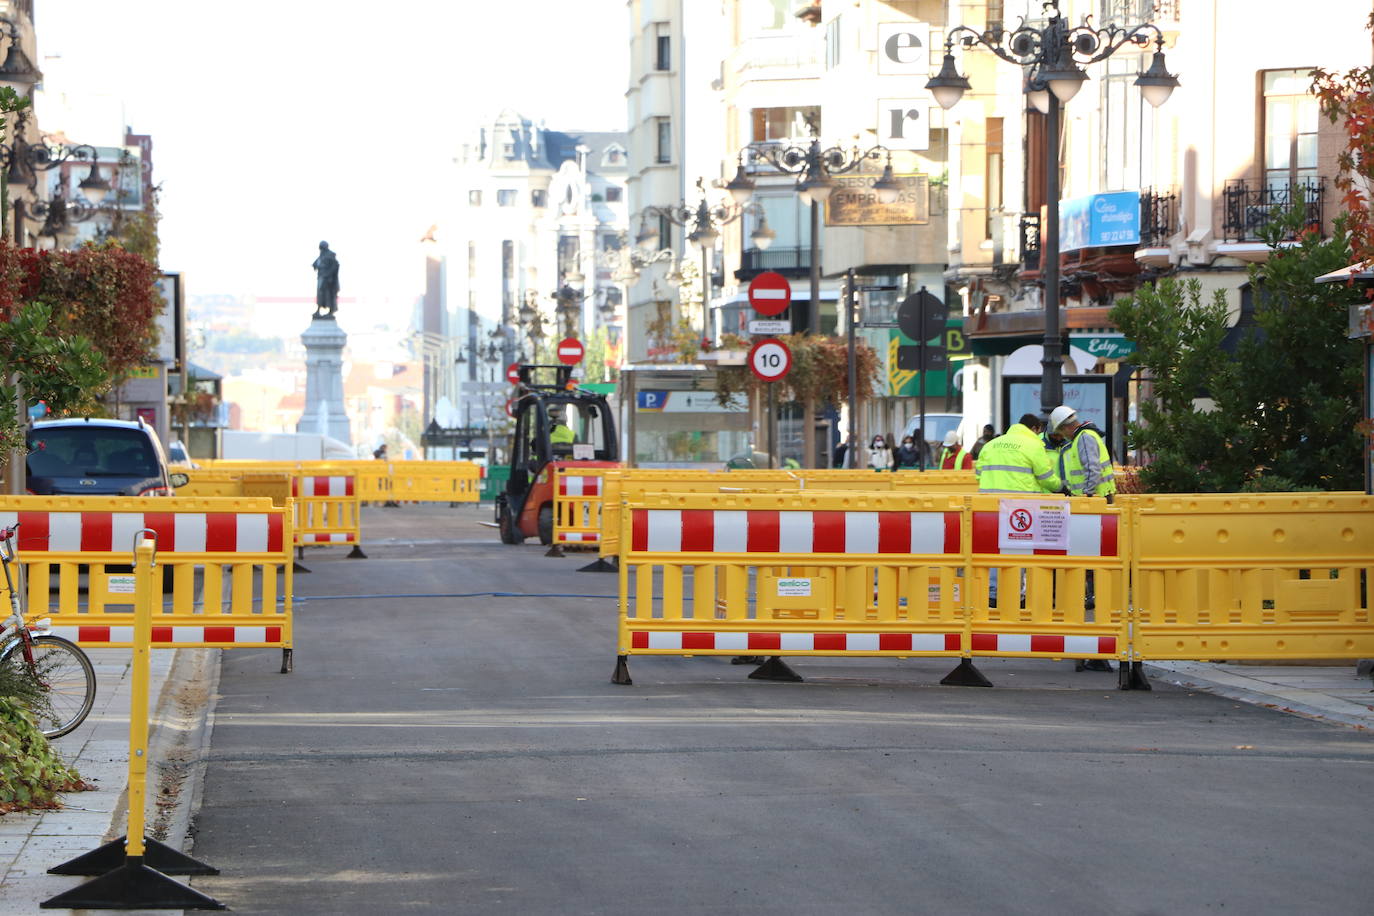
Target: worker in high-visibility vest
(1016, 461)
(1087, 463)
(559, 431)
(1087, 472)
(954, 456)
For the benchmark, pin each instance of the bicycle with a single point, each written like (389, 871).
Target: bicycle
(59, 671)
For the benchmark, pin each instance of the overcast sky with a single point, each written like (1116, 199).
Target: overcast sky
(278, 123)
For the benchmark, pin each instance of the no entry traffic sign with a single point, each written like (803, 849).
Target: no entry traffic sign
(770, 293)
(513, 373)
(570, 351)
(770, 359)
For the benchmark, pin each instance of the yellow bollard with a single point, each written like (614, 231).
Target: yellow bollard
(126, 880)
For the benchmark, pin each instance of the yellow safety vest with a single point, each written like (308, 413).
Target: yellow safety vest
(1075, 475)
(561, 435)
(1016, 462)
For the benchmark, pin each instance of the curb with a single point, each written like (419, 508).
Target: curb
(1308, 704)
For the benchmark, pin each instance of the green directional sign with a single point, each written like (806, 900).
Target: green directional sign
(1105, 346)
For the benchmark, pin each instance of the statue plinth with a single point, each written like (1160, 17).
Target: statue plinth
(324, 396)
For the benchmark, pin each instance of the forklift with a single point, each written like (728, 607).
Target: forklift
(556, 426)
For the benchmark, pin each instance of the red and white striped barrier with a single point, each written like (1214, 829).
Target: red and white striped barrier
(177, 532)
(1055, 645)
(793, 642)
(770, 531)
(93, 635)
(321, 486)
(578, 485)
(578, 537)
(1089, 536)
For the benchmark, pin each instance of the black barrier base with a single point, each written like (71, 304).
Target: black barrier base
(288, 662)
(1131, 676)
(132, 886)
(965, 675)
(1092, 664)
(555, 551)
(357, 553)
(622, 671)
(298, 566)
(775, 669)
(156, 855)
(601, 565)
(748, 660)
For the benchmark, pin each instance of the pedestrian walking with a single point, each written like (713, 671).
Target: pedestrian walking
(907, 455)
(988, 435)
(837, 460)
(879, 455)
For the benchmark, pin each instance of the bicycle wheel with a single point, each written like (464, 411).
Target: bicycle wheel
(68, 682)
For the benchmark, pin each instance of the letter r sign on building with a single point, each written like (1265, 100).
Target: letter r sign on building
(904, 124)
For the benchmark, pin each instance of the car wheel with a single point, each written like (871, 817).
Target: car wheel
(546, 524)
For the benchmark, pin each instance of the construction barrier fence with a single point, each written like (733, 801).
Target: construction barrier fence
(327, 511)
(864, 573)
(382, 481)
(226, 568)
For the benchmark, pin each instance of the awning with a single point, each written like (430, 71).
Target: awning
(1362, 271)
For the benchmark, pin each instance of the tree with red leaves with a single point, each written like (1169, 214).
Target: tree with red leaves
(1349, 98)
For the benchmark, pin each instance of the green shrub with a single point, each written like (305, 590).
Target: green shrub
(31, 772)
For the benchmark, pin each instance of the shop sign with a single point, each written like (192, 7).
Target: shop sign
(1099, 221)
(855, 203)
(1109, 346)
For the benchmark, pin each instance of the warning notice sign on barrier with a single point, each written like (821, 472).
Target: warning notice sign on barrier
(1034, 524)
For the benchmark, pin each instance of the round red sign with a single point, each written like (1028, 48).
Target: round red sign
(513, 373)
(770, 359)
(570, 351)
(770, 293)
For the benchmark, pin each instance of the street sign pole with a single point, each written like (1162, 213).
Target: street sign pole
(851, 451)
(921, 383)
(772, 439)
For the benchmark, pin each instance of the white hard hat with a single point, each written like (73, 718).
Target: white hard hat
(951, 437)
(1061, 415)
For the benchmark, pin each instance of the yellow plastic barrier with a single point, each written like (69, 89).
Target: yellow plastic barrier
(1254, 576)
(327, 511)
(380, 481)
(577, 506)
(630, 482)
(1039, 610)
(795, 574)
(233, 482)
(229, 562)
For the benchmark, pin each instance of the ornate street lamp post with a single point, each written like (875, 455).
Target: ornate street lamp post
(813, 167)
(705, 223)
(1055, 53)
(23, 161)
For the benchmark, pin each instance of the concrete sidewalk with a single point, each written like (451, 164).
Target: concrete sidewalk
(1329, 694)
(32, 843)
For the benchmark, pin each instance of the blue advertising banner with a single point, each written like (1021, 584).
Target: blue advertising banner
(1099, 220)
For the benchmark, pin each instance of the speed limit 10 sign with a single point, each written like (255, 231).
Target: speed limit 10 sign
(770, 359)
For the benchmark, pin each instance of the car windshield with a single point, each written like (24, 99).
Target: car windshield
(89, 451)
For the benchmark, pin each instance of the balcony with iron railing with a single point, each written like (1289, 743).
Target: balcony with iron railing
(786, 261)
(1250, 206)
(1158, 217)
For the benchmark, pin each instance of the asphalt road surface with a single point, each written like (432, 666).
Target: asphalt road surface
(469, 755)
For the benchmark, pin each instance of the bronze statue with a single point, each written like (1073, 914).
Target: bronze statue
(326, 283)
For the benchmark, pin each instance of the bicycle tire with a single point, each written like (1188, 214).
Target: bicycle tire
(70, 678)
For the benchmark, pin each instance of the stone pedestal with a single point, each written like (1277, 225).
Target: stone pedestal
(324, 399)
